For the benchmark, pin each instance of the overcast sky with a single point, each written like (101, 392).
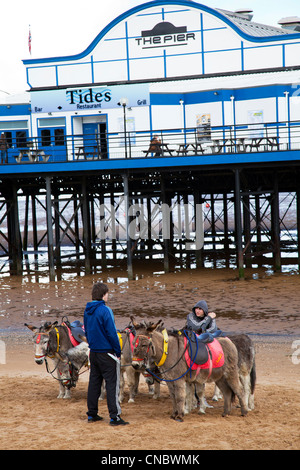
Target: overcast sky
(64, 27)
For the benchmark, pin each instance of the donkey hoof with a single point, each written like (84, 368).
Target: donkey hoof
(177, 418)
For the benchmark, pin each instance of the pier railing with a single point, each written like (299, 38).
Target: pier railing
(198, 141)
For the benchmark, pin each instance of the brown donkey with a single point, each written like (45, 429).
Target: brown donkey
(151, 345)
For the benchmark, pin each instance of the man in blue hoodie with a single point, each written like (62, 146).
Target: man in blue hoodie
(105, 352)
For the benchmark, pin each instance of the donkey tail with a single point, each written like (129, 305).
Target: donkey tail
(253, 377)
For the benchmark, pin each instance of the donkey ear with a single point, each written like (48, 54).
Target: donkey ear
(49, 326)
(31, 327)
(136, 325)
(61, 358)
(153, 326)
(83, 338)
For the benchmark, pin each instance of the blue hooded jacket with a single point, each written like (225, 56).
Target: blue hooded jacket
(100, 328)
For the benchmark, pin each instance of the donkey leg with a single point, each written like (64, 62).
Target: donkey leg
(133, 378)
(61, 392)
(178, 394)
(189, 397)
(177, 415)
(67, 394)
(234, 384)
(200, 390)
(227, 394)
(122, 384)
(156, 389)
(64, 392)
(217, 394)
(247, 393)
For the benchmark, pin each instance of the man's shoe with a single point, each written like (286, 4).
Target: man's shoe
(118, 421)
(92, 419)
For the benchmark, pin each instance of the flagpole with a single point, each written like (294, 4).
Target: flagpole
(29, 40)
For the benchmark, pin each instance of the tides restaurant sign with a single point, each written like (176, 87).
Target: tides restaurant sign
(89, 98)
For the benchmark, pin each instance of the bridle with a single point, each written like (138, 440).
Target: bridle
(137, 343)
(73, 371)
(47, 353)
(162, 360)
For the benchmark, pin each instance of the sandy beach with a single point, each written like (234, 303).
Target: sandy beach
(264, 306)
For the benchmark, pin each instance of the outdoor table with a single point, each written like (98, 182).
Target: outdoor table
(184, 148)
(162, 148)
(92, 154)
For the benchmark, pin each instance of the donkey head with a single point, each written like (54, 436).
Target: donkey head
(71, 362)
(41, 339)
(143, 347)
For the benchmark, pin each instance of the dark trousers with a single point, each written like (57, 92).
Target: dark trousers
(103, 367)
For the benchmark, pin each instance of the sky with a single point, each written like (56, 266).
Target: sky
(67, 27)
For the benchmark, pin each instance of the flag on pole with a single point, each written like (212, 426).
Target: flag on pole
(29, 40)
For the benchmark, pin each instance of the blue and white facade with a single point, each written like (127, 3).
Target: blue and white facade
(177, 63)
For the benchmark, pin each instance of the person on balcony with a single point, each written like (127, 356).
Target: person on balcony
(3, 148)
(155, 146)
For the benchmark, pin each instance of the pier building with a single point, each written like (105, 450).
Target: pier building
(219, 93)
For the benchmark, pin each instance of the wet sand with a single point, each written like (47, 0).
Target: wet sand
(264, 306)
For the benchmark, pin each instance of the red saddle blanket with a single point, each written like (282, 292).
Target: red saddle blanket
(215, 356)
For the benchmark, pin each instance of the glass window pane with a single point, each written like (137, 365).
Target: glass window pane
(46, 137)
(59, 137)
(21, 138)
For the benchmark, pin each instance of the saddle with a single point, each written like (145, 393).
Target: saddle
(203, 351)
(75, 330)
(196, 347)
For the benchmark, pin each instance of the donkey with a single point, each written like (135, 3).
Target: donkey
(247, 368)
(53, 341)
(150, 345)
(126, 337)
(71, 363)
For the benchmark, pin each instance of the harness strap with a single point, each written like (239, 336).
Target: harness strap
(58, 345)
(165, 351)
(210, 366)
(210, 363)
(120, 340)
(57, 338)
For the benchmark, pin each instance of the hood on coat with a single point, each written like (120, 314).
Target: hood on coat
(91, 306)
(201, 304)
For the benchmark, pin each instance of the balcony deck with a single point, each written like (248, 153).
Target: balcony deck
(276, 143)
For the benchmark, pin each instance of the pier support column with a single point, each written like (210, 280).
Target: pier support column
(49, 229)
(128, 239)
(276, 226)
(86, 227)
(247, 228)
(198, 227)
(165, 228)
(238, 225)
(102, 225)
(14, 236)
(298, 223)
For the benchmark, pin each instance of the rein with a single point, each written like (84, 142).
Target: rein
(128, 331)
(164, 356)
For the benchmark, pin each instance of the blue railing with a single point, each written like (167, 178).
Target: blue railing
(203, 140)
